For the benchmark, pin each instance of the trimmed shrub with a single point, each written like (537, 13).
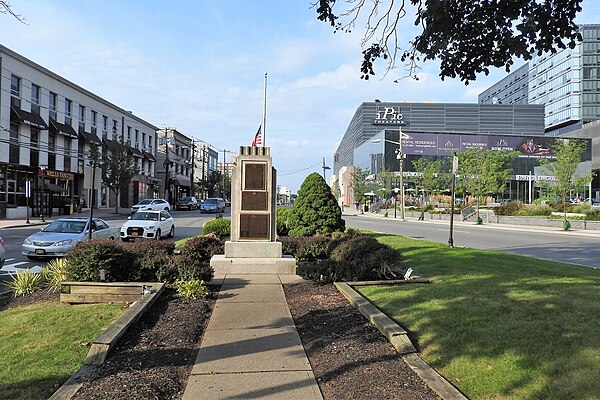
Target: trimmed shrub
(315, 210)
(535, 210)
(313, 248)
(282, 221)
(220, 226)
(319, 271)
(151, 258)
(364, 258)
(88, 258)
(194, 261)
(593, 215)
(560, 207)
(512, 208)
(289, 245)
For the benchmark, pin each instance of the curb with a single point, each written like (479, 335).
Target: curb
(104, 342)
(398, 337)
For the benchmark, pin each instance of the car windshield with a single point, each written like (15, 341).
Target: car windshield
(147, 201)
(63, 226)
(210, 201)
(186, 199)
(145, 216)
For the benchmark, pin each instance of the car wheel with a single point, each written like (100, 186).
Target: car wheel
(166, 208)
(157, 235)
(171, 232)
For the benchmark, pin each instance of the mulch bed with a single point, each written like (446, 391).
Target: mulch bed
(350, 358)
(153, 360)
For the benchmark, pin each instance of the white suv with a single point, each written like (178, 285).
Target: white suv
(151, 204)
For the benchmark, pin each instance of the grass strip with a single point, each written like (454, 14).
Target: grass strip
(499, 326)
(44, 344)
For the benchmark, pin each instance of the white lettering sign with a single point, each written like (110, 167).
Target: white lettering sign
(389, 115)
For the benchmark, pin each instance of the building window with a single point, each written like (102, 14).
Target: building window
(104, 126)
(52, 99)
(68, 111)
(15, 91)
(67, 159)
(82, 117)
(34, 143)
(35, 98)
(115, 129)
(52, 150)
(94, 118)
(129, 135)
(13, 150)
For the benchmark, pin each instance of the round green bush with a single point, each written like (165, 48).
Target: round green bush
(364, 258)
(151, 257)
(194, 259)
(315, 210)
(220, 226)
(87, 259)
(313, 248)
(512, 208)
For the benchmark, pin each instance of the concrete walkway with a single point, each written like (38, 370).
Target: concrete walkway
(251, 348)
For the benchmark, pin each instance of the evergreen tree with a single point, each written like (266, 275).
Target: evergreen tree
(315, 211)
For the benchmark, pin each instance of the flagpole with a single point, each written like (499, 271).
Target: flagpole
(264, 141)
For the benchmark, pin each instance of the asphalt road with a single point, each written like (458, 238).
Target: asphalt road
(556, 245)
(187, 223)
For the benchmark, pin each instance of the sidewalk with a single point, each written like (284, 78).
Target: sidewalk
(251, 348)
(107, 214)
(458, 222)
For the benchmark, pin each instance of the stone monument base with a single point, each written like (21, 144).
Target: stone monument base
(253, 249)
(222, 265)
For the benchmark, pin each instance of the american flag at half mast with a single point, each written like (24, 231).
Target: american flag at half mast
(258, 137)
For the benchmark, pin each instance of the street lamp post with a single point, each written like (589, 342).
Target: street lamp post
(166, 165)
(42, 175)
(454, 172)
(325, 167)
(396, 190)
(400, 157)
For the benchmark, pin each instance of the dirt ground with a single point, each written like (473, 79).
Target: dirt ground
(153, 360)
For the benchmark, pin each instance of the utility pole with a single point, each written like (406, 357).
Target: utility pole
(454, 172)
(401, 160)
(192, 191)
(324, 169)
(223, 171)
(166, 165)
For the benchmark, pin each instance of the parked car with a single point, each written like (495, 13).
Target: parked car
(63, 234)
(148, 224)
(212, 204)
(227, 203)
(187, 203)
(2, 253)
(151, 204)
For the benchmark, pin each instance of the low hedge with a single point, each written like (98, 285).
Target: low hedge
(221, 226)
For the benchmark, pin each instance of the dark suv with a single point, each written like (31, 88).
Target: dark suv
(187, 203)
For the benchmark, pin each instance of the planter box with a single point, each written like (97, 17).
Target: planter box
(104, 292)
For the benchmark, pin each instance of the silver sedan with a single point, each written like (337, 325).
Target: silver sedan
(63, 234)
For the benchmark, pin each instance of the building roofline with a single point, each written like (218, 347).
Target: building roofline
(67, 82)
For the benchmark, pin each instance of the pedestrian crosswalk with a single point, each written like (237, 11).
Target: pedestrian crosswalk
(21, 266)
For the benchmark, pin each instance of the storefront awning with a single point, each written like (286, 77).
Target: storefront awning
(65, 129)
(89, 137)
(181, 181)
(148, 156)
(51, 187)
(134, 152)
(30, 118)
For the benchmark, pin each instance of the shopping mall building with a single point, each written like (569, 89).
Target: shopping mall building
(437, 130)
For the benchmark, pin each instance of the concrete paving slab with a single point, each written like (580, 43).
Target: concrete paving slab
(293, 385)
(290, 279)
(249, 279)
(250, 316)
(251, 293)
(251, 350)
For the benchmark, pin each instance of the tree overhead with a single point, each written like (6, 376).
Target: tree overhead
(6, 8)
(466, 36)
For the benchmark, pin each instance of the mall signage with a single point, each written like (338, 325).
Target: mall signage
(389, 116)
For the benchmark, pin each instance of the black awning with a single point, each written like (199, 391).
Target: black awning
(181, 181)
(89, 137)
(148, 156)
(51, 187)
(30, 118)
(65, 129)
(134, 152)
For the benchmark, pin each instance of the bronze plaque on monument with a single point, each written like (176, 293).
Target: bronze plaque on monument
(253, 226)
(254, 176)
(254, 201)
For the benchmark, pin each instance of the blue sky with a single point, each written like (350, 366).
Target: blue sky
(199, 66)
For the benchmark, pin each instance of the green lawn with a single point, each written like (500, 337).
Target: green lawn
(42, 345)
(499, 326)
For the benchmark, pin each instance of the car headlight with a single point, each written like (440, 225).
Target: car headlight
(150, 227)
(63, 242)
(27, 241)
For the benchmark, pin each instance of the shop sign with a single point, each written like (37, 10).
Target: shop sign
(60, 175)
(535, 178)
(389, 115)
